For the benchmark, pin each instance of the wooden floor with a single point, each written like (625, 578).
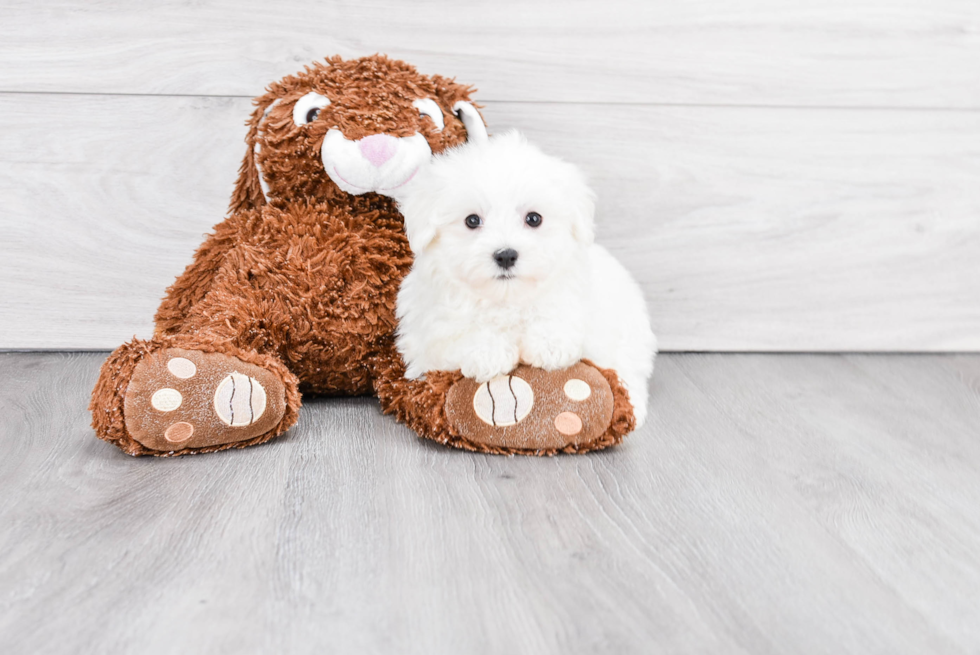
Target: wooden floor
(772, 504)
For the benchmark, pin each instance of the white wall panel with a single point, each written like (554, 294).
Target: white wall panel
(749, 228)
(854, 53)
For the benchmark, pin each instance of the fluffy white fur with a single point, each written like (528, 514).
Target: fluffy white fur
(565, 298)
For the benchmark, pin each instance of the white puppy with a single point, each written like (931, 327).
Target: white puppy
(506, 271)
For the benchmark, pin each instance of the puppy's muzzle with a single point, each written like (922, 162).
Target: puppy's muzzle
(505, 258)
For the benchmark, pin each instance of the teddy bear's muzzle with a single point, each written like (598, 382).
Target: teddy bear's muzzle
(378, 163)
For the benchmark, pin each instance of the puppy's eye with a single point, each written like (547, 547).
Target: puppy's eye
(473, 221)
(428, 107)
(533, 219)
(308, 107)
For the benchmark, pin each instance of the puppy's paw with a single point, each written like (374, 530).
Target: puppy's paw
(640, 411)
(414, 372)
(487, 364)
(551, 352)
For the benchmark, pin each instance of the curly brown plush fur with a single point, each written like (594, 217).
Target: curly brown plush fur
(302, 280)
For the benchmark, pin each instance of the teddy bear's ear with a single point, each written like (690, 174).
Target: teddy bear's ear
(250, 192)
(476, 129)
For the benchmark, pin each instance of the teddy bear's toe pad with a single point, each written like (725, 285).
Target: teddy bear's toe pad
(532, 409)
(181, 398)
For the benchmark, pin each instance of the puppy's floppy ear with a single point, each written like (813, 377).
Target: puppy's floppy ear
(248, 192)
(419, 213)
(580, 204)
(420, 239)
(583, 220)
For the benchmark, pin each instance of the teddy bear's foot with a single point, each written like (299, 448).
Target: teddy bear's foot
(532, 411)
(181, 399)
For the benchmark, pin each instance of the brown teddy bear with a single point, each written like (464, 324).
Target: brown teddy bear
(295, 291)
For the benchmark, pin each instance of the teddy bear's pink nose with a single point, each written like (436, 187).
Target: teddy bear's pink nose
(378, 148)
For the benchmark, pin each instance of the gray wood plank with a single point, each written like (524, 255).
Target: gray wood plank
(854, 53)
(773, 504)
(749, 229)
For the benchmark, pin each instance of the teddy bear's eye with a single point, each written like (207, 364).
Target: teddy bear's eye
(428, 107)
(473, 221)
(533, 219)
(308, 108)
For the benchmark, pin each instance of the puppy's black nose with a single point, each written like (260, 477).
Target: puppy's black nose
(505, 258)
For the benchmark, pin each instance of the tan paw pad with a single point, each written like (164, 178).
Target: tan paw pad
(577, 390)
(179, 432)
(568, 423)
(504, 400)
(182, 368)
(239, 400)
(166, 400)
